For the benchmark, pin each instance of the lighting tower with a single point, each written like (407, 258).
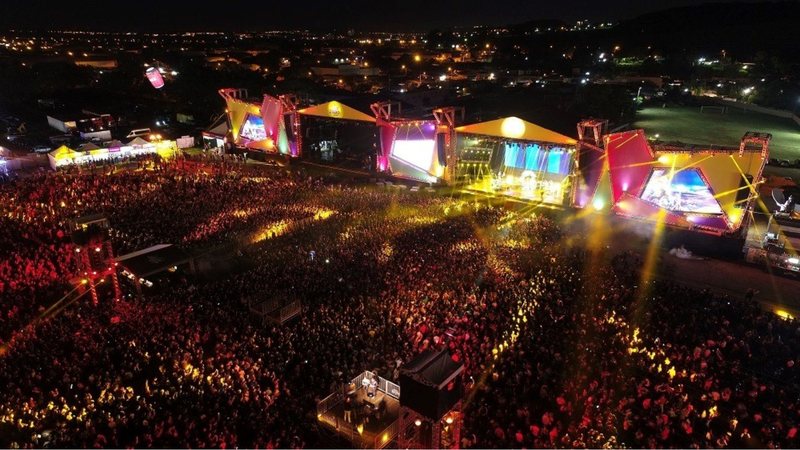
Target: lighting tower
(94, 253)
(597, 128)
(383, 112)
(446, 124)
(289, 104)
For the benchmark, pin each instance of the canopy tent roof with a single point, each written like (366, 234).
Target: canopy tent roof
(432, 368)
(516, 128)
(62, 152)
(220, 130)
(152, 260)
(137, 141)
(336, 110)
(87, 147)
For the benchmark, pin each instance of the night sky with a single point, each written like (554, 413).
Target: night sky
(372, 15)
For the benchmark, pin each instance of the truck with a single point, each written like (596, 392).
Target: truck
(779, 247)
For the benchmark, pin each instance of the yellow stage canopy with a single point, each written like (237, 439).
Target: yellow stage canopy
(516, 128)
(336, 110)
(64, 152)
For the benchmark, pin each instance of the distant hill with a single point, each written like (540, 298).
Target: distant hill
(743, 28)
(542, 25)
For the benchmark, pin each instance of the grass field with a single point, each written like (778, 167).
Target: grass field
(689, 125)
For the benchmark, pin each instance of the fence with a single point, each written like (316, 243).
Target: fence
(276, 310)
(383, 438)
(288, 312)
(27, 162)
(760, 109)
(326, 414)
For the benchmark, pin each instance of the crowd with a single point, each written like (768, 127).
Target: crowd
(564, 344)
(191, 208)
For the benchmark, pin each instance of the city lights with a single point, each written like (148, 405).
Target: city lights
(263, 234)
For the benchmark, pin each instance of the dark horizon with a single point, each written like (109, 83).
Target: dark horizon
(361, 15)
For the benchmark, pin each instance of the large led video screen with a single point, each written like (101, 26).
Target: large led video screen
(536, 158)
(253, 128)
(682, 191)
(417, 152)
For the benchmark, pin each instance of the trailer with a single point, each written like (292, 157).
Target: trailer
(778, 248)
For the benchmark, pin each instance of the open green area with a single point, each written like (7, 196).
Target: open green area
(689, 125)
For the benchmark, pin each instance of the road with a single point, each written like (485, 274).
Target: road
(780, 294)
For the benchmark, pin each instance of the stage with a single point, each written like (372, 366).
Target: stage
(372, 421)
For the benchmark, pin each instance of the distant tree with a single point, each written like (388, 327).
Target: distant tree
(604, 101)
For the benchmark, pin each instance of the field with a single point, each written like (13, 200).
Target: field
(689, 125)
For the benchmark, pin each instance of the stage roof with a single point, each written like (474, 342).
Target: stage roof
(336, 110)
(152, 260)
(516, 128)
(432, 368)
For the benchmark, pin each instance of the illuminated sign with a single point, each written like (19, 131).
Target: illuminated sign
(335, 110)
(155, 77)
(681, 191)
(512, 127)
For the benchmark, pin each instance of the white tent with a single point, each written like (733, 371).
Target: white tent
(137, 142)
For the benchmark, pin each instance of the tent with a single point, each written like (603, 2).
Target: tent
(219, 131)
(137, 142)
(431, 383)
(516, 128)
(89, 152)
(61, 156)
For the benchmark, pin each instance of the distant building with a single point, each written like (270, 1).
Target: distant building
(345, 70)
(97, 63)
(88, 125)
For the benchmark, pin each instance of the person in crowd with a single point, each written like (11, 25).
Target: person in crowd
(560, 346)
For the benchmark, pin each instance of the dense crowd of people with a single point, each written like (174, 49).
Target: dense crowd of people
(564, 344)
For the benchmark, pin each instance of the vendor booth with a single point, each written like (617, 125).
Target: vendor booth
(64, 156)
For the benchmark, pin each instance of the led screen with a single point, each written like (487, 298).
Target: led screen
(537, 159)
(253, 128)
(417, 152)
(683, 191)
